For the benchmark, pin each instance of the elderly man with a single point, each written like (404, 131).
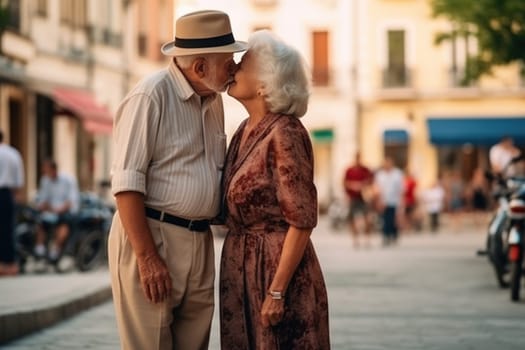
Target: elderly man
(58, 202)
(169, 152)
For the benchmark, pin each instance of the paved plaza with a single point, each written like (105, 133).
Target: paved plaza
(428, 292)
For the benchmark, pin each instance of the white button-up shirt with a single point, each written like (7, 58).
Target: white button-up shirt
(169, 144)
(58, 191)
(11, 167)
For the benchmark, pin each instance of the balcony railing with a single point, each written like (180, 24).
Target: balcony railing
(457, 78)
(106, 37)
(397, 77)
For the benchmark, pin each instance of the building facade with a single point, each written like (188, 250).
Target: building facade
(414, 103)
(64, 68)
(380, 84)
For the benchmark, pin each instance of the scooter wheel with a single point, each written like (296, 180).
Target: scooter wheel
(90, 251)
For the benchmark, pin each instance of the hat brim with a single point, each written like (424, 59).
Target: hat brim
(169, 49)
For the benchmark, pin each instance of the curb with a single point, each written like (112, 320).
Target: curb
(19, 324)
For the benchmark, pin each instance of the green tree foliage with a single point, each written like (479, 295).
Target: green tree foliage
(498, 26)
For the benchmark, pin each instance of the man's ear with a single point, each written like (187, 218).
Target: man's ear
(200, 67)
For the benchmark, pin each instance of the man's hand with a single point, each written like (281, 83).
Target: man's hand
(154, 278)
(272, 311)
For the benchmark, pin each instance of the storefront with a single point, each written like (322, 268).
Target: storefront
(463, 143)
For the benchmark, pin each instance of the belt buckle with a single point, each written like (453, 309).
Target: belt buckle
(190, 226)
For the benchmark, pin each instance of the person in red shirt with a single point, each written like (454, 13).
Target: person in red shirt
(409, 198)
(357, 180)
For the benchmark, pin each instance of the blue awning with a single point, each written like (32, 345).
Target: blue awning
(475, 131)
(395, 136)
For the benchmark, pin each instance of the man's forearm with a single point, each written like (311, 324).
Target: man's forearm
(132, 214)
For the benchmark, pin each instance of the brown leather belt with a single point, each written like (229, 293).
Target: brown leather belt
(192, 225)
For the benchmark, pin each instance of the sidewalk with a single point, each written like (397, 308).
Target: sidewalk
(35, 301)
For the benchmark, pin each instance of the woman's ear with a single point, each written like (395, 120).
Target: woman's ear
(260, 90)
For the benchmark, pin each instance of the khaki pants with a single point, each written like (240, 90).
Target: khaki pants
(182, 323)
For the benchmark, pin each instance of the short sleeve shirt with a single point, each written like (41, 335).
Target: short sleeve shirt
(357, 173)
(169, 144)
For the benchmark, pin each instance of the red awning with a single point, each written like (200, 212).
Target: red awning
(95, 118)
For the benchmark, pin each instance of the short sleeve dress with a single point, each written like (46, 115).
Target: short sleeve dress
(268, 186)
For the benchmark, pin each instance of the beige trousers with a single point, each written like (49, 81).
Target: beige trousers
(182, 323)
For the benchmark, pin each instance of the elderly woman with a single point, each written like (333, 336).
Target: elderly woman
(272, 292)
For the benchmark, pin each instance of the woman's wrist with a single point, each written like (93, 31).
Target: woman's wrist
(276, 294)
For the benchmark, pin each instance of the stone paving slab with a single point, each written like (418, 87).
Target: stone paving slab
(35, 301)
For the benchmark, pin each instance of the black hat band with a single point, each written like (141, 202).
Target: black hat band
(206, 42)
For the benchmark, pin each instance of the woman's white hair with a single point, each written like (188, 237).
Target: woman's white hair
(283, 73)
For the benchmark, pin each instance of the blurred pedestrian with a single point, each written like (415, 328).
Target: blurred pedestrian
(501, 154)
(411, 217)
(454, 197)
(389, 184)
(433, 201)
(272, 291)
(358, 178)
(11, 182)
(169, 147)
(58, 202)
(478, 197)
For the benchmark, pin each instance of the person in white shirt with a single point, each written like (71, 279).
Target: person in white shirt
(11, 181)
(433, 199)
(501, 154)
(57, 201)
(389, 182)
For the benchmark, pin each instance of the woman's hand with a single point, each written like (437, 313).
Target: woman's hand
(272, 311)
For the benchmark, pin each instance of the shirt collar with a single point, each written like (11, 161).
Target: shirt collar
(182, 87)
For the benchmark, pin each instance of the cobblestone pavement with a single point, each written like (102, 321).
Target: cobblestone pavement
(428, 292)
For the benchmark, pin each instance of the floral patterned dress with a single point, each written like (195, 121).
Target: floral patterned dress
(268, 186)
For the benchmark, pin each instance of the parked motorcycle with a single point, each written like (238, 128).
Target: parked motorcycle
(498, 230)
(86, 243)
(516, 242)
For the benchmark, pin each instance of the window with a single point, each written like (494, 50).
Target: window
(13, 14)
(73, 13)
(142, 21)
(396, 73)
(164, 28)
(41, 8)
(522, 74)
(65, 11)
(461, 46)
(102, 32)
(321, 69)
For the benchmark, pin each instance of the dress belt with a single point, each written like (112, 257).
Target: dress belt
(192, 225)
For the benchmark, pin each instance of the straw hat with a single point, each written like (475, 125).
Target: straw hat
(203, 32)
